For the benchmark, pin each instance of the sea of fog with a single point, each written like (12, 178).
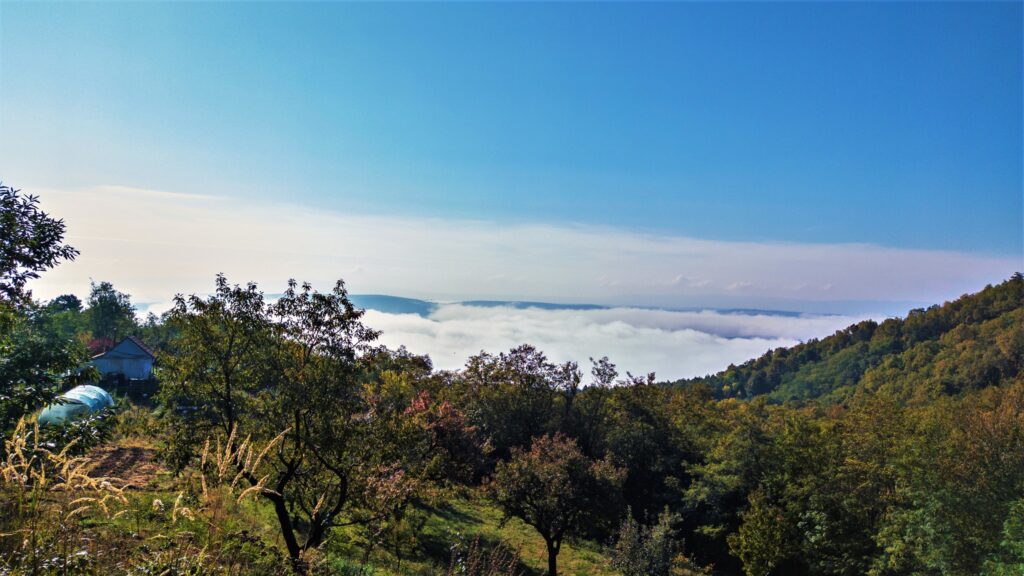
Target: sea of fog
(672, 343)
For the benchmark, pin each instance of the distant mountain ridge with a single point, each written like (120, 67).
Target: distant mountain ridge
(393, 304)
(972, 342)
(525, 305)
(400, 305)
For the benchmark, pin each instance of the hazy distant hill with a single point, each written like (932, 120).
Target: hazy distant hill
(400, 305)
(972, 342)
(525, 305)
(393, 304)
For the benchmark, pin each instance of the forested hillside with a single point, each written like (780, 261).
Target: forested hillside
(969, 343)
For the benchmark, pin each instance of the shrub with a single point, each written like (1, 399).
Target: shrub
(475, 558)
(656, 550)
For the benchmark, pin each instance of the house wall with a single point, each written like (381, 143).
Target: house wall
(133, 368)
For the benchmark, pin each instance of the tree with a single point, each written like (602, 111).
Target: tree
(30, 242)
(762, 542)
(352, 445)
(642, 438)
(516, 395)
(66, 303)
(589, 412)
(1010, 558)
(111, 315)
(961, 478)
(557, 490)
(738, 454)
(36, 358)
(157, 332)
(218, 363)
(651, 550)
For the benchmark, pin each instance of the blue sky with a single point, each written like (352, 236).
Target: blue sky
(856, 158)
(896, 124)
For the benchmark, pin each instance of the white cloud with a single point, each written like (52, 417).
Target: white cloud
(738, 286)
(154, 244)
(673, 344)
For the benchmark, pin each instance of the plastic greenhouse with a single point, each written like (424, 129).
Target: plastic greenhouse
(79, 401)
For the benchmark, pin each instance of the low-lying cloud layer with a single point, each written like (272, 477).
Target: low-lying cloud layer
(673, 344)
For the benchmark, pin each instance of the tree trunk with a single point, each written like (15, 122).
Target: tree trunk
(552, 559)
(317, 531)
(286, 527)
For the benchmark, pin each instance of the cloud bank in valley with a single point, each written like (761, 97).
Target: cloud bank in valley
(674, 344)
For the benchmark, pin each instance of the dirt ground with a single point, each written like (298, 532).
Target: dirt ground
(133, 464)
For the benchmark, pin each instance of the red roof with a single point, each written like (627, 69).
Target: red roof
(134, 340)
(142, 345)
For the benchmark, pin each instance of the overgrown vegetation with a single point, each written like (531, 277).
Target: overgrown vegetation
(284, 440)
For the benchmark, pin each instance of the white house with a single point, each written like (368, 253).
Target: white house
(130, 357)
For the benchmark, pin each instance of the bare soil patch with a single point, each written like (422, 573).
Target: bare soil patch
(133, 464)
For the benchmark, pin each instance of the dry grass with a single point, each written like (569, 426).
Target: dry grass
(66, 514)
(228, 459)
(46, 494)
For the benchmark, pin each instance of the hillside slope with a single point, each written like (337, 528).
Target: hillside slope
(972, 342)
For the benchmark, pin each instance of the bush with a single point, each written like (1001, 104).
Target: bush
(475, 558)
(135, 422)
(641, 550)
(82, 434)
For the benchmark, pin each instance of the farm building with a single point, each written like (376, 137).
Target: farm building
(130, 358)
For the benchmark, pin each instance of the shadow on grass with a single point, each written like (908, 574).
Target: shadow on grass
(453, 515)
(454, 526)
(440, 552)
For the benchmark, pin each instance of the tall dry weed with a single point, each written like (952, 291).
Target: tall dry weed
(45, 495)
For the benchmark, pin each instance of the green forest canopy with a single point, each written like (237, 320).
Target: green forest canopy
(969, 343)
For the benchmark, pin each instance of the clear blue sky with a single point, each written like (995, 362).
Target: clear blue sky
(891, 123)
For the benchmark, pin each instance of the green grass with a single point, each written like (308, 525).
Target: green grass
(436, 530)
(465, 519)
(478, 518)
